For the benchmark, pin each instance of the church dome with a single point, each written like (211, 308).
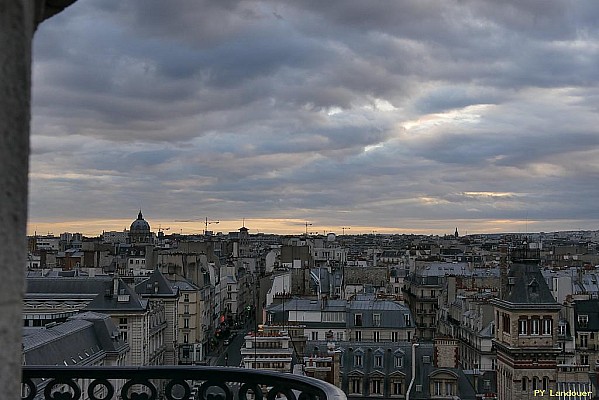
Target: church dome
(140, 224)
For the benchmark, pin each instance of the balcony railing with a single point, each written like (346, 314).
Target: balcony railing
(169, 382)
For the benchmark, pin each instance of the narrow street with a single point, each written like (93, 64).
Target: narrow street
(231, 354)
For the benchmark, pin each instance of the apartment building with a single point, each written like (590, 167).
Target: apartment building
(365, 318)
(271, 351)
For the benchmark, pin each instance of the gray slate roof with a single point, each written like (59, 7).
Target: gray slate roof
(156, 285)
(589, 308)
(529, 286)
(182, 284)
(79, 341)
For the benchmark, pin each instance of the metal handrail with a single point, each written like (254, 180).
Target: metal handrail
(132, 378)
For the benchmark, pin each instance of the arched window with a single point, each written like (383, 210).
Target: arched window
(524, 383)
(545, 383)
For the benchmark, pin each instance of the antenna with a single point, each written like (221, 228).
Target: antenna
(307, 225)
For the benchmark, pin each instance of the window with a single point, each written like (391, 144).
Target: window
(506, 323)
(123, 329)
(376, 336)
(534, 326)
(522, 327)
(583, 321)
(561, 329)
(186, 308)
(378, 361)
(406, 319)
(395, 336)
(397, 388)
(186, 323)
(584, 340)
(524, 383)
(314, 335)
(339, 336)
(438, 387)
(358, 360)
(398, 361)
(584, 359)
(376, 319)
(535, 383)
(186, 297)
(448, 389)
(358, 320)
(356, 385)
(375, 386)
(547, 325)
(185, 338)
(545, 383)
(358, 335)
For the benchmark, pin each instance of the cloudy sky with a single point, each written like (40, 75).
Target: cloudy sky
(388, 116)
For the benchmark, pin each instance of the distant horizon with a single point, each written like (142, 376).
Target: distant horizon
(90, 228)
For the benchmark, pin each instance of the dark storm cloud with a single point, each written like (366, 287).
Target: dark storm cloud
(344, 111)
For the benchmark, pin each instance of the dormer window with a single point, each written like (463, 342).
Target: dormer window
(358, 360)
(583, 321)
(398, 361)
(533, 286)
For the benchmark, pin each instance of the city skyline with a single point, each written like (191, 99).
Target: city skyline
(413, 117)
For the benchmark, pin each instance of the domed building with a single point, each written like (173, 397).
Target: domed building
(140, 230)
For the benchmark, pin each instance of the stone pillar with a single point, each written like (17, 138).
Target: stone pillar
(16, 31)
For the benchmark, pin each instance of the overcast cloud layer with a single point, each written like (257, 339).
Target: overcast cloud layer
(415, 115)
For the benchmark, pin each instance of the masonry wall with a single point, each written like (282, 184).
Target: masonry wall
(16, 31)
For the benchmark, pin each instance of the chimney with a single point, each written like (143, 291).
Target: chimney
(446, 352)
(115, 285)
(503, 280)
(335, 368)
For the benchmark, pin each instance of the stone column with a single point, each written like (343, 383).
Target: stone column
(16, 31)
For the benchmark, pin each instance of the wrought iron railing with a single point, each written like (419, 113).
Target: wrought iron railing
(170, 382)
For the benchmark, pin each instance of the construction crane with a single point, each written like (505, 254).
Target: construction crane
(206, 222)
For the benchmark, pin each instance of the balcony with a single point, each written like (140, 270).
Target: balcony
(170, 382)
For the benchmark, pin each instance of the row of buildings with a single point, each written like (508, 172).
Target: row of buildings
(484, 316)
